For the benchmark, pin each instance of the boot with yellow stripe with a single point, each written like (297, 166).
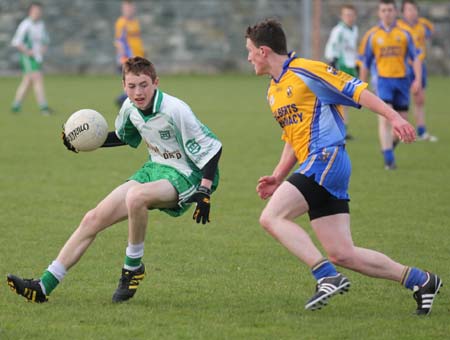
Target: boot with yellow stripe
(30, 289)
(128, 284)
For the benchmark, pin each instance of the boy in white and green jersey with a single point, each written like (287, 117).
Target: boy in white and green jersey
(31, 40)
(175, 139)
(182, 169)
(341, 48)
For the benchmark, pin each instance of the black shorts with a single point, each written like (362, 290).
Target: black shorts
(321, 202)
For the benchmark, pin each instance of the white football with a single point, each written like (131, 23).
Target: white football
(86, 130)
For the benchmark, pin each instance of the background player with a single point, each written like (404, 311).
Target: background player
(421, 30)
(341, 47)
(391, 47)
(31, 39)
(128, 40)
(305, 98)
(183, 169)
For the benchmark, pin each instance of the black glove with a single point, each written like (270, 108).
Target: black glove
(202, 198)
(66, 142)
(334, 62)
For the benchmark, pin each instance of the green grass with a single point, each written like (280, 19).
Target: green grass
(228, 280)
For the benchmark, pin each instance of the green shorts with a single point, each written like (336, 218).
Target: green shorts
(184, 185)
(349, 70)
(29, 64)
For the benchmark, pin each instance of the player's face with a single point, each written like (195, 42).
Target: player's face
(387, 13)
(35, 12)
(348, 16)
(128, 10)
(410, 12)
(257, 58)
(140, 89)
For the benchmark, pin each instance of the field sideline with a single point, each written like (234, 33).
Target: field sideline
(228, 280)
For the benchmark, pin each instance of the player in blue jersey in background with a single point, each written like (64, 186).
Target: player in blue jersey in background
(421, 30)
(390, 47)
(306, 98)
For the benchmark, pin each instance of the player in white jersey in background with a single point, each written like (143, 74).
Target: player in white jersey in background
(183, 169)
(341, 47)
(31, 39)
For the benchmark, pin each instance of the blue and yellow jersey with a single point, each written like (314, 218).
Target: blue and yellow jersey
(390, 48)
(128, 35)
(306, 101)
(362, 46)
(420, 32)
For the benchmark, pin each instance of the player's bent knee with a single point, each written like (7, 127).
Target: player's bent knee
(136, 198)
(91, 222)
(267, 221)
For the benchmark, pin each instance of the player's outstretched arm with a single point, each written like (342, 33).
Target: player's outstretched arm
(112, 140)
(202, 197)
(402, 128)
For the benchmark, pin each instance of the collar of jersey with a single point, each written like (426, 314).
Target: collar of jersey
(291, 56)
(388, 29)
(157, 100)
(343, 24)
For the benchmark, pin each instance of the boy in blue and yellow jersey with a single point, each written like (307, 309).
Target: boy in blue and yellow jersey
(391, 47)
(306, 99)
(361, 58)
(128, 40)
(420, 30)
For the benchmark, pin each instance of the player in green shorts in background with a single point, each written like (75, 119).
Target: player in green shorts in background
(31, 40)
(183, 169)
(341, 48)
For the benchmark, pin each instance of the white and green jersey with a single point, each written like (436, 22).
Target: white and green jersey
(32, 35)
(342, 45)
(174, 136)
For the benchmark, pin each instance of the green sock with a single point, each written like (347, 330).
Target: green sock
(49, 281)
(132, 263)
(15, 107)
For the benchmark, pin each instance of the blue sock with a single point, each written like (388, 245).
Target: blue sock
(414, 277)
(323, 269)
(421, 130)
(388, 156)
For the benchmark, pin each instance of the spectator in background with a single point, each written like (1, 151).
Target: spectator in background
(341, 47)
(390, 47)
(128, 41)
(31, 39)
(420, 30)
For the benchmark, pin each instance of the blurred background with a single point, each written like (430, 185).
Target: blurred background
(194, 36)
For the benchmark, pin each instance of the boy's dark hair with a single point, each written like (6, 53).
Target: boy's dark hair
(388, 2)
(34, 4)
(137, 66)
(348, 6)
(412, 2)
(268, 33)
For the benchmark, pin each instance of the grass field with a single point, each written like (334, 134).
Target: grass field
(228, 280)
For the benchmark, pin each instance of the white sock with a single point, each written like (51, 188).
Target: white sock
(133, 251)
(58, 270)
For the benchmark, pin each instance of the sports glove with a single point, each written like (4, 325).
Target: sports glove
(333, 63)
(66, 142)
(202, 198)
